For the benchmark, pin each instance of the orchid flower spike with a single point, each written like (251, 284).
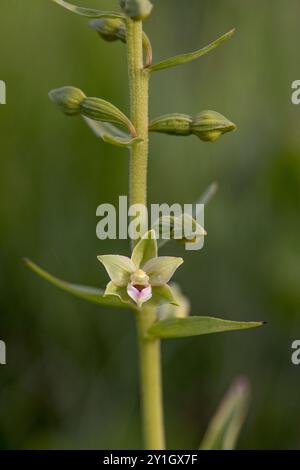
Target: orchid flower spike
(144, 276)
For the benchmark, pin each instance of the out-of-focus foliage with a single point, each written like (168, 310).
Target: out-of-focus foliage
(71, 375)
(225, 426)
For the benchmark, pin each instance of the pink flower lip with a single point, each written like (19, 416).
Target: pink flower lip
(138, 287)
(139, 294)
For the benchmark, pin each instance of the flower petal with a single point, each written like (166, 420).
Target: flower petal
(162, 295)
(145, 249)
(160, 270)
(120, 292)
(119, 268)
(139, 296)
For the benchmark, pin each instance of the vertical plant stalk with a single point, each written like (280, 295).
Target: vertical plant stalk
(139, 96)
(151, 382)
(149, 349)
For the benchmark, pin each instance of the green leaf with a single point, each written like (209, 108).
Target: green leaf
(91, 294)
(88, 12)
(111, 134)
(224, 428)
(195, 326)
(145, 249)
(184, 58)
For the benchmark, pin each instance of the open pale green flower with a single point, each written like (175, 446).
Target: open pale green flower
(142, 277)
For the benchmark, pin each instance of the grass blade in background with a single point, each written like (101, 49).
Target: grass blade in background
(224, 428)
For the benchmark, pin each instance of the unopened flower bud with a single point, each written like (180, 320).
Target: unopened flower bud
(136, 9)
(110, 29)
(175, 124)
(113, 29)
(210, 125)
(101, 110)
(68, 99)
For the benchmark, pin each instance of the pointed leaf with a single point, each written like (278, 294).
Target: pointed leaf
(195, 326)
(184, 58)
(160, 270)
(88, 12)
(111, 134)
(145, 249)
(224, 428)
(91, 294)
(118, 267)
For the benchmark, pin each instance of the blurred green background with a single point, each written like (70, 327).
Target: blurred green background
(71, 378)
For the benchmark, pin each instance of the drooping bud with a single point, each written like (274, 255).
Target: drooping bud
(101, 110)
(114, 29)
(210, 125)
(72, 101)
(110, 29)
(175, 124)
(68, 99)
(136, 9)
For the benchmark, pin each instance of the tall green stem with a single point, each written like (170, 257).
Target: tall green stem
(149, 349)
(151, 383)
(139, 96)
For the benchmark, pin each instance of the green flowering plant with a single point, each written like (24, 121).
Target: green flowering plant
(140, 283)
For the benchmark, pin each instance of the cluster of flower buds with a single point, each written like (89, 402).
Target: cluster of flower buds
(136, 9)
(72, 101)
(207, 125)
